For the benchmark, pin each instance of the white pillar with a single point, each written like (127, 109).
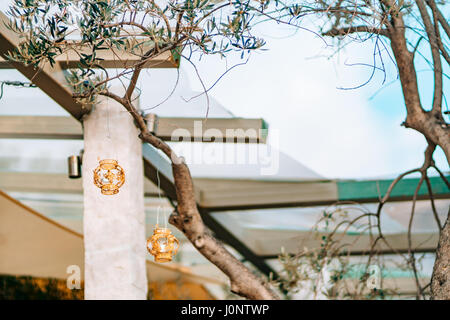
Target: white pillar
(114, 225)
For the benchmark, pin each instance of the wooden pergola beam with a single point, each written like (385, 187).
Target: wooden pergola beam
(209, 129)
(190, 129)
(50, 80)
(40, 127)
(235, 194)
(51, 183)
(211, 194)
(111, 60)
(264, 242)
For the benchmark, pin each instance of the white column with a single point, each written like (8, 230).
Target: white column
(114, 225)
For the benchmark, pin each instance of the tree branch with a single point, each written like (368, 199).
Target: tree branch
(433, 206)
(434, 9)
(355, 29)
(437, 65)
(440, 17)
(412, 259)
(188, 220)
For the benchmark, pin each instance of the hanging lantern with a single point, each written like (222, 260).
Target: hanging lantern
(109, 176)
(162, 244)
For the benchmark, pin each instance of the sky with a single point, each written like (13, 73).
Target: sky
(297, 89)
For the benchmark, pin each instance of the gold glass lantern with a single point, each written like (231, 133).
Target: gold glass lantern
(162, 244)
(109, 176)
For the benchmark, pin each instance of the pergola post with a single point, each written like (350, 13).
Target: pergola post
(114, 225)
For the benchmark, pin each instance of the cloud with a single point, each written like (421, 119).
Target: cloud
(337, 133)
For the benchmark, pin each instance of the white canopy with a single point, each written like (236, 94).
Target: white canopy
(34, 245)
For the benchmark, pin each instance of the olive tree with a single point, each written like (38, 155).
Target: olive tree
(50, 28)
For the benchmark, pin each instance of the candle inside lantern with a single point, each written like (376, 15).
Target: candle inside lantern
(109, 176)
(162, 244)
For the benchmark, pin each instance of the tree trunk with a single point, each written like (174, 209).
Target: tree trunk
(187, 219)
(432, 125)
(440, 280)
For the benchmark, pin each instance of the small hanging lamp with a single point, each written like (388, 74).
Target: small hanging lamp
(162, 244)
(74, 166)
(109, 176)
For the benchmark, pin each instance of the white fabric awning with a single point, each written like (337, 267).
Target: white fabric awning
(34, 245)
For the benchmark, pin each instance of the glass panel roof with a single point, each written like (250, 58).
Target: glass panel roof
(34, 155)
(26, 101)
(242, 161)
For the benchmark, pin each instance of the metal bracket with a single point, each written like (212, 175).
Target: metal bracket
(74, 163)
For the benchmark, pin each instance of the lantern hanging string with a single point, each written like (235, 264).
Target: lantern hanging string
(160, 199)
(165, 219)
(108, 130)
(157, 215)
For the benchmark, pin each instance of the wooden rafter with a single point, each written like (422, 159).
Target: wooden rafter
(213, 194)
(51, 183)
(190, 129)
(50, 80)
(265, 243)
(236, 194)
(110, 60)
